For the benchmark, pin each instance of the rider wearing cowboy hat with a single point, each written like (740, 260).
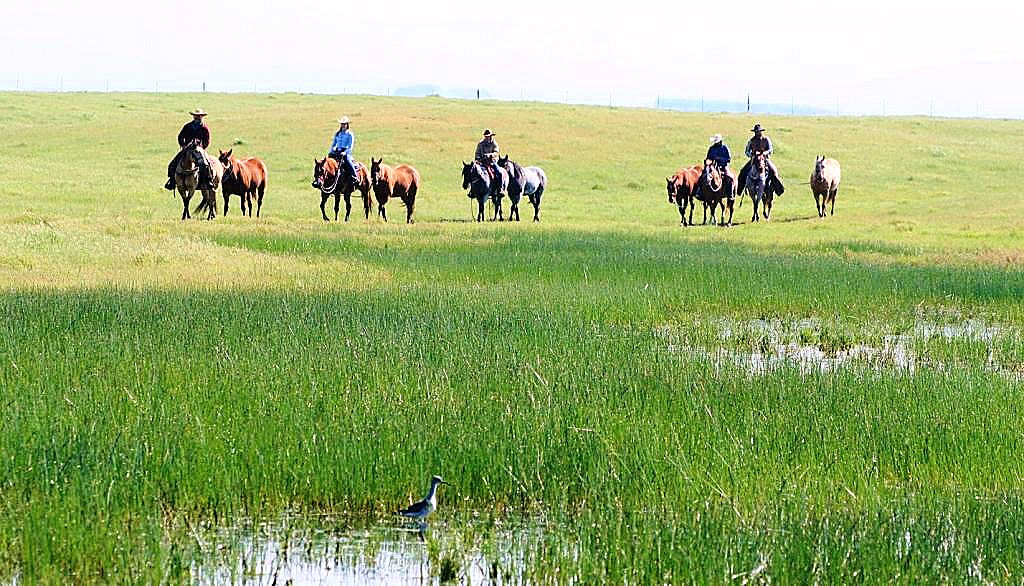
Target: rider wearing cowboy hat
(719, 153)
(487, 153)
(342, 145)
(198, 131)
(761, 143)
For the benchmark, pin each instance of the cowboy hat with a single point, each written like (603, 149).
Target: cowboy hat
(488, 132)
(757, 128)
(198, 112)
(716, 138)
(343, 120)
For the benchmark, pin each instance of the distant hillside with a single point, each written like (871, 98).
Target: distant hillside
(423, 90)
(739, 107)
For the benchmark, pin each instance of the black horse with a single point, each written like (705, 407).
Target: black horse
(480, 185)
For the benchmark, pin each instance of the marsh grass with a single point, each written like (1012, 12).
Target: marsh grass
(162, 379)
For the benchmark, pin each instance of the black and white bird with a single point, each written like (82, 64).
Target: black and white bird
(420, 510)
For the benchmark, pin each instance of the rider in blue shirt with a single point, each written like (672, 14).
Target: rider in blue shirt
(719, 153)
(342, 144)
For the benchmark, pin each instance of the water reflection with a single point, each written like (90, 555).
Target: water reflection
(324, 550)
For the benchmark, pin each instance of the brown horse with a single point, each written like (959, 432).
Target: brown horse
(825, 184)
(186, 177)
(327, 178)
(246, 178)
(717, 188)
(682, 188)
(401, 181)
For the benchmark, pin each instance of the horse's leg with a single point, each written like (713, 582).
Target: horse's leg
(536, 203)
(383, 213)
(184, 201)
(337, 205)
(367, 202)
(226, 197)
(348, 205)
(832, 197)
(732, 205)
(323, 202)
(212, 199)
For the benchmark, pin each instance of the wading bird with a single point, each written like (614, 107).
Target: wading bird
(420, 510)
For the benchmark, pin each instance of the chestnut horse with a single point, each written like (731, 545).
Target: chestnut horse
(682, 188)
(328, 179)
(717, 188)
(401, 181)
(246, 178)
(186, 177)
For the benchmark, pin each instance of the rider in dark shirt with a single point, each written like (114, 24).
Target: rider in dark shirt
(194, 131)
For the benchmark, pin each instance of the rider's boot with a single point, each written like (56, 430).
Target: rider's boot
(170, 184)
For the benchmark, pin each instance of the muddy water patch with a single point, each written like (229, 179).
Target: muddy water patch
(809, 345)
(303, 549)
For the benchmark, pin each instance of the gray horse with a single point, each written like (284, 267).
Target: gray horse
(528, 181)
(757, 187)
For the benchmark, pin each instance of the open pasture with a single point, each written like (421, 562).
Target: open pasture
(805, 399)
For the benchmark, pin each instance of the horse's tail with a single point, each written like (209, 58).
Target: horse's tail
(202, 205)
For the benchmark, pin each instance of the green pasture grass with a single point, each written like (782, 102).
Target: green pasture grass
(161, 377)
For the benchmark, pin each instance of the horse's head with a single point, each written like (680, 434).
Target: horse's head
(467, 174)
(711, 175)
(318, 172)
(819, 165)
(671, 181)
(758, 160)
(375, 169)
(225, 159)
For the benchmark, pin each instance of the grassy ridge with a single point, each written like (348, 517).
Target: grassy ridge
(156, 374)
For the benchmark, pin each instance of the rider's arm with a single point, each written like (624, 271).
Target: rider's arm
(771, 148)
(747, 150)
(204, 136)
(728, 155)
(181, 136)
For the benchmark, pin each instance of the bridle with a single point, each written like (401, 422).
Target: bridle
(323, 178)
(710, 171)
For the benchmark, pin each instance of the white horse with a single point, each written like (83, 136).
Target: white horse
(825, 184)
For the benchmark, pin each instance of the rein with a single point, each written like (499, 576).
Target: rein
(337, 179)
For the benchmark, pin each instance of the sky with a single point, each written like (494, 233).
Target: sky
(868, 57)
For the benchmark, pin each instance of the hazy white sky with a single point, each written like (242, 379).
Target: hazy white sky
(853, 54)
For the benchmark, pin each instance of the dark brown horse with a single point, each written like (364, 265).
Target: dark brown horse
(327, 177)
(246, 178)
(682, 188)
(401, 181)
(717, 188)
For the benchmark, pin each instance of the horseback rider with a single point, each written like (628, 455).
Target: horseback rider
(194, 131)
(487, 153)
(719, 153)
(761, 143)
(342, 144)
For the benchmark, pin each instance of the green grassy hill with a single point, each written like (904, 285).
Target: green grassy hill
(806, 400)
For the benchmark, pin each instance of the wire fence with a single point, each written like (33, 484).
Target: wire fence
(688, 101)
